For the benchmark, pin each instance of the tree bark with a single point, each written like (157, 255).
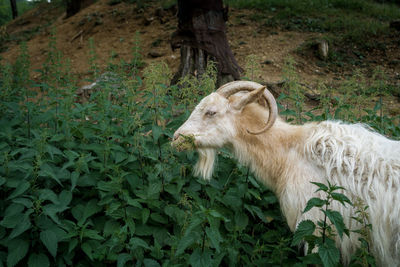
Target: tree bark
(201, 37)
(14, 9)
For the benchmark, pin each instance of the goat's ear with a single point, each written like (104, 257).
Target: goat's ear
(248, 98)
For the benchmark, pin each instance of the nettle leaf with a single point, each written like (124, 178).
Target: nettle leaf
(74, 179)
(150, 263)
(47, 194)
(87, 248)
(120, 156)
(241, 220)
(52, 150)
(82, 213)
(329, 253)
(304, 229)
(2, 180)
(184, 242)
(12, 216)
(136, 242)
(49, 239)
(47, 171)
(341, 198)
(145, 215)
(21, 188)
(215, 237)
(337, 219)
(157, 132)
(23, 225)
(17, 250)
(24, 201)
(38, 260)
(123, 258)
(321, 187)
(200, 259)
(314, 202)
(92, 234)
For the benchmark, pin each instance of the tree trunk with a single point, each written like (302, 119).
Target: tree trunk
(73, 7)
(14, 9)
(201, 36)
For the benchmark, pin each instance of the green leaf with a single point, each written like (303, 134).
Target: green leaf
(47, 171)
(337, 219)
(38, 260)
(341, 198)
(138, 242)
(215, 237)
(92, 234)
(52, 150)
(314, 202)
(21, 188)
(123, 258)
(185, 242)
(74, 179)
(120, 156)
(90, 209)
(200, 259)
(241, 220)
(305, 228)
(157, 132)
(321, 187)
(150, 263)
(24, 201)
(329, 253)
(87, 248)
(12, 216)
(17, 250)
(23, 225)
(145, 215)
(49, 239)
(2, 180)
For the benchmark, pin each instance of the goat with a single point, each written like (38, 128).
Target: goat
(286, 158)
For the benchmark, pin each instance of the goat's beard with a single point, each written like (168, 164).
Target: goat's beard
(205, 164)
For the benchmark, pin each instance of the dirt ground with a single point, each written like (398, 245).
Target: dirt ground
(113, 28)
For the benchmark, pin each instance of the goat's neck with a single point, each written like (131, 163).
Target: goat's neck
(267, 154)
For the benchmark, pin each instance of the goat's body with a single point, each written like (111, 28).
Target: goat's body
(286, 158)
(365, 163)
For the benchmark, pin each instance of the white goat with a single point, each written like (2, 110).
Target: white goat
(286, 158)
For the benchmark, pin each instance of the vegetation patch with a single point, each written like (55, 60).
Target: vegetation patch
(96, 183)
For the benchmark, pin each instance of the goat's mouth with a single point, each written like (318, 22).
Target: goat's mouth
(184, 142)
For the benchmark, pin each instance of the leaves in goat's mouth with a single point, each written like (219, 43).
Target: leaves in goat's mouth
(184, 142)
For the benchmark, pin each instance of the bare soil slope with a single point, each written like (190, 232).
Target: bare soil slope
(113, 27)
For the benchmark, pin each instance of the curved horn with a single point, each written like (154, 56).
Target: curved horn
(237, 86)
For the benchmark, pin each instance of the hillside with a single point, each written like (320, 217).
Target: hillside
(113, 24)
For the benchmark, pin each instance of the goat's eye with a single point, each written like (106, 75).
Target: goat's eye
(210, 113)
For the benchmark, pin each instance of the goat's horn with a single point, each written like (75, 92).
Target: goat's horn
(237, 86)
(232, 88)
(273, 112)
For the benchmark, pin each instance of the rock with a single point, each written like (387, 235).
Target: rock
(323, 49)
(155, 54)
(147, 21)
(109, 80)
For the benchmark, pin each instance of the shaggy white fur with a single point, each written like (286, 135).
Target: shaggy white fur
(286, 158)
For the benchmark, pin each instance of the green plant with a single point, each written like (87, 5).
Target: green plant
(97, 183)
(321, 234)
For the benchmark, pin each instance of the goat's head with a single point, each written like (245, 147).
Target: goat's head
(212, 123)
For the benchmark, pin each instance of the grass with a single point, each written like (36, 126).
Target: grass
(357, 21)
